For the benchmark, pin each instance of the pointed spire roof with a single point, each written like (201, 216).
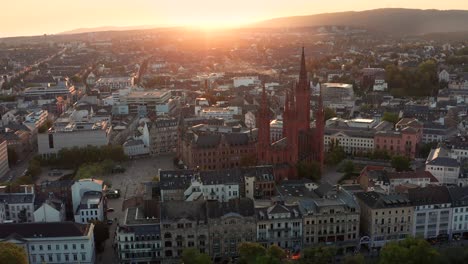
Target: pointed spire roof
(303, 71)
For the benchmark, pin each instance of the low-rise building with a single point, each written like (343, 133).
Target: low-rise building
(4, 167)
(63, 242)
(442, 166)
(88, 200)
(51, 210)
(384, 218)
(74, 134)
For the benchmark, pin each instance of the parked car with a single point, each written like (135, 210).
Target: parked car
(110, 222)
(110, 210)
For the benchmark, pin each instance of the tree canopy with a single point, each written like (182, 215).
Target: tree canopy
(420, 81)
(409, 251)
(318, 255)
(253, 253)
(193, 256)
(310, 170)
(390, 117)
(401, 163)
(12, 254)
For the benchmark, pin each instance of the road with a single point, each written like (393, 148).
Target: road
(331, 176)
(129, 182)
(19, 168)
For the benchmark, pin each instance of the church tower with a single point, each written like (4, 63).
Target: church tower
(303, 97)
(263, 144)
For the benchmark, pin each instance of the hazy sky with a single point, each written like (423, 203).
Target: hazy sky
(28, 17)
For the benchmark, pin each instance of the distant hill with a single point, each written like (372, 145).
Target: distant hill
(394, 21)
(105, 28)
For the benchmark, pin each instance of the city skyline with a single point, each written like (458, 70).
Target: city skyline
(36, 18)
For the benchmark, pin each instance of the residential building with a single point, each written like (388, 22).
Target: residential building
(332, 217)
(403, 141)
(139, 239)
(437, 133)
(459, 198)
(384, 218)
(164, 134)
(115, 83)
(442, 166)
(432, 212)
(51, 210)
(88, 200)
(183, 225)
(338, 95)
(260, 182)
(63, 242)
(34, 120)
(230, 223)
(18, 207)
(281, 225)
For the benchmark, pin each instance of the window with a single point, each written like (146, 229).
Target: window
(40, 247)
(82, 246)
(57, 247)
(83, 256)
(74, 247)
(49, 247)
(75, 257)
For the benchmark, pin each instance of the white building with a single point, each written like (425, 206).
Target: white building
(63, 242)
(432, 213)
(36, 119)
(135, 147)
(442, 166)
(444, 76)
(52, 210)
(459, 196)
(88, 200)
(115, 83)
(74, 134)
(216, 185)
(218, 112)
(245, 81)
(18, 207)
(380, 85)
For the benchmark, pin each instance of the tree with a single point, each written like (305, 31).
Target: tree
(453, 255)
(409, 251)
(34, 168)
(310, 170)
(193, 256)
(329, 113)
(101, 234)
(354, 259)
(249, 252)
(348, 167)
(390, 117)
(12, 156)
(276, 252)
(401, 163)
(318, 255)
(336, 154)
(12, 254)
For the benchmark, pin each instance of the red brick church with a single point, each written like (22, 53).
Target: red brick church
(300, 142)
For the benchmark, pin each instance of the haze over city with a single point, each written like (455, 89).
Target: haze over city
(234, 132)
(31, 17)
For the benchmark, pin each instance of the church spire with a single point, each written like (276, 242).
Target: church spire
(303, 72)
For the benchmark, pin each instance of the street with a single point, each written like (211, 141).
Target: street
(137, 171)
